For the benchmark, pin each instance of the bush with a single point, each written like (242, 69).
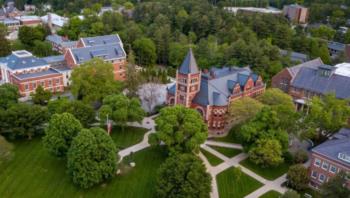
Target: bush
(288, 157)
(300, 156)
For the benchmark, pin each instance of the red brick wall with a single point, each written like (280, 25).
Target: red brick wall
(69, 59)
(80, 44)
(120, 70)
(279, 79)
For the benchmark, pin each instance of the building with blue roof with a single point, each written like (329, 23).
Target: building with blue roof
(330, 157)
(210, 92)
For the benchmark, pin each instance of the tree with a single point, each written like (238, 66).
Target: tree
(328, 114)
(59, 133)
(290, 194)
(266, 153)
(323, 32)
(41, 96)
(149, 94)
(297, 177)
(181, 129)
(5, 47)
(121, 110)
(42, 48)
(275, 97)
(336, 186)
(8, 95)
(133, 77)
(180, 176)
(5, 150)
(92, 157)
(243, 110)
(81, 111)
(94, 80)
(22, 120)
(145, 51)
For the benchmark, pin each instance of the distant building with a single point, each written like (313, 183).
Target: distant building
(29, 8)
(9, 10)
(269, 10)
(295, 56)
(11, 24)
(54, 21)
(335, 48)
(210, 92)
(296, 13)
(313, 78)
(60, 44)
(29, 20)
(28, 72)
(329, 158)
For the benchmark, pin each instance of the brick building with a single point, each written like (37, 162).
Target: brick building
(329, 158)
(210, 92)
(60, 43)
(296, 13)
(28, 72)
(109, 48)
(313, 78)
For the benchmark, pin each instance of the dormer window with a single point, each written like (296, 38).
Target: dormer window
(345, 157)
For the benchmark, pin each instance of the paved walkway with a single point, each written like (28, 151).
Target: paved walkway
(147, 123)
(234, 162)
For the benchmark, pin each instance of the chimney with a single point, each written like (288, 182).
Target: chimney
(49, 22)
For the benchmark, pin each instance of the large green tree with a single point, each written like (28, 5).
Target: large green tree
(145, 51)
(5, 47)
(267, 152)
(297, 177)
(183, 176)
(8, 95)
(59, 133)
(243, 110)
(92, 157)
(94, 80)
(121, 110)
(181, 129)
(336, 187)
(41, 96)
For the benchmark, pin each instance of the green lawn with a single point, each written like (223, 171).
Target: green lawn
(271, 194)
(130, 136)
(231, 137)
(270, 173)
(229, 187)
(228, 152)
(34, 173)
(213, 160)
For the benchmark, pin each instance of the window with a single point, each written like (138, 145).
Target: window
(325, 166)
(194, 80)
(321, 178)
(317, 162)
(50, 82)
(314, 174)
(34, 85)
(344, 157)
(333, 169)
(57, 81)
(26, 87)
(42, 83)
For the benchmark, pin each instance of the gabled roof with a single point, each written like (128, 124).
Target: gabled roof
(22, 59)
(295, 56)
(332, 148)
(105, 52)
(189, 65)
(336, 46)
(101, 40)
(310, 64)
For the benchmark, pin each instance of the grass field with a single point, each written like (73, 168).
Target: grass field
(212, 159)
(228, 152)
(130, 136)
(270, 173)
(231, 137)
(34, 173)
(271, 194)
(229, 187)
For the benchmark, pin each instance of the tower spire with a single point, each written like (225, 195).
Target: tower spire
(189, 65)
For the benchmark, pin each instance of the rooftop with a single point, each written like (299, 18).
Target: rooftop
(101, 40)
(269, 10)
(336, 46)
(36, 74)
(22, 59)
(189, 65)
(56, 20)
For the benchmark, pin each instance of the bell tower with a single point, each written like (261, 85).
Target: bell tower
(188, 79)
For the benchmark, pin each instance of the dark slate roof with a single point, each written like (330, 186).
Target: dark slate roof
(54, 38)
(216, 86)
(172, 89)
(343, 133)
(332, 148)
(310, 79)
(36, 74)
(295, 56)
(101, 40)
(54, 59)
(336, 46)
(69, 44)
(312, 64)
(189, 65)
(106, 52)
(22, 60)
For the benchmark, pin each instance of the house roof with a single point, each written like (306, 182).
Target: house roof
(336, 46)
(106, 52)
(189, 65)
(54, 38)
(56, 20)
(36, 74)
(54, 59)
(172, 89)
(216, 86)
(22, 59)
(312, 64)
(295, 56)
(101, 40)
(332, 148)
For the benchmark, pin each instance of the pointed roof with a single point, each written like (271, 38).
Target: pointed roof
(189, 65)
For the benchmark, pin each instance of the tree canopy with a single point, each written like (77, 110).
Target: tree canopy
(181, 129)
(41, 96)
(336, 187)
(298, 177)
(92, 157)
(243, 110)
(8, 95)
(183, 176)
(59, 133)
